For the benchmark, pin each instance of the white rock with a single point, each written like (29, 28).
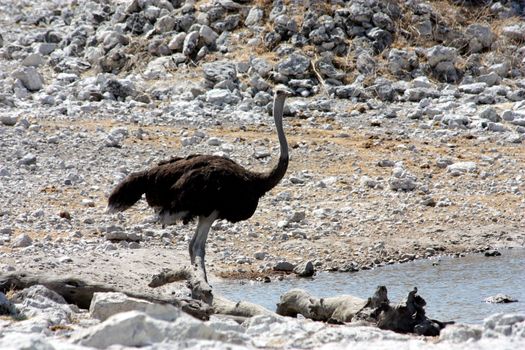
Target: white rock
(515, 32)
(214, 141)
(462, 167)
(105, 305)
(460, 333)
(220, 97)
(474, 88)
(25, 341)
(137, 329)
(423, 82)
(64, 259)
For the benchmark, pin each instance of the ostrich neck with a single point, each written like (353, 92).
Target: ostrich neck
(272, 178)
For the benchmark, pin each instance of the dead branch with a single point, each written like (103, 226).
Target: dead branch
(199, 290)
(80, 292)
(406, 317)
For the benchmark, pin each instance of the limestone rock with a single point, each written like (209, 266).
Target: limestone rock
(137, 329)
(105, 305)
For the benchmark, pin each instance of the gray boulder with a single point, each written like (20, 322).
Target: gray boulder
(33, 60)
(284, 266)
(419, 93)
(401, 179)
(326, 69)
(219, 71)
(138, 329)
(365, 63)
(6, 307)
(42, 304)
(490, 79)
(475, 88)
(261, 66)
(177, 42)
(22, 241)
(254, 17)
(208, 35)
(294, 65)
(165, 24)
(360, 12)
(446, 71)
(439, 53)
(304, 269)
(30, 78)
(480, 37)
(190, 44)
(491, 114)
(401, 62)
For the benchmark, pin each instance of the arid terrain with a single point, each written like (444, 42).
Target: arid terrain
(406, 131)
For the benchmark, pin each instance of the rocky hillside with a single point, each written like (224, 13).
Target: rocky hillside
(353, 50)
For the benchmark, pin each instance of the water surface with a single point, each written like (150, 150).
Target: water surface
(454, 288)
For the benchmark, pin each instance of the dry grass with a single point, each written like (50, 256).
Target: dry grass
(60, 327)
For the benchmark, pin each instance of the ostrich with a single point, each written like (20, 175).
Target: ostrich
(206, 187)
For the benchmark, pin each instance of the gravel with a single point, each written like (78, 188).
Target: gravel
(93, 91)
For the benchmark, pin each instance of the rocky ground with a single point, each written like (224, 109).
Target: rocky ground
(406, 130)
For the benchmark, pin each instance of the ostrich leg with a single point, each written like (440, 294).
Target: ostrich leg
(198, 242)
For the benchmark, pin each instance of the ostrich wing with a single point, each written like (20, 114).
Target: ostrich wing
(221, 185)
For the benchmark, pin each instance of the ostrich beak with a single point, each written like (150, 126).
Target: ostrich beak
(283, 89)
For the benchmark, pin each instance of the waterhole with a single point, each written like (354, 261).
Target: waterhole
(454, 288)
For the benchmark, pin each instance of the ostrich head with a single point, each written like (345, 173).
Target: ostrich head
(282, 91)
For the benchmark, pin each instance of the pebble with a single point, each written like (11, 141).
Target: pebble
(500, 299)
(460, 168)
(490, 253)
(28, 159)
(64, 259)
(22, 241)
(8, 120)
(284, 266)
